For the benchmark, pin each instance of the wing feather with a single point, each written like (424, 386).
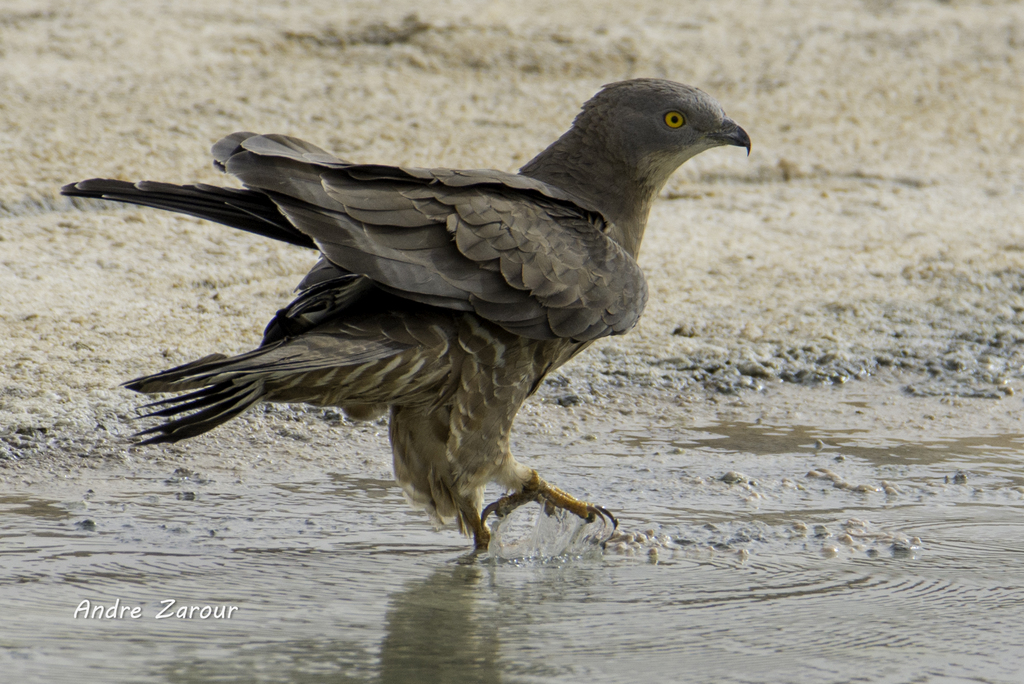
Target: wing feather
(518, 252)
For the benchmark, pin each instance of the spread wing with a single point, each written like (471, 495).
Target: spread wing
(516, 251)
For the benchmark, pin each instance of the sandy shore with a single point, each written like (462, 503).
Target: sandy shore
(873, 242)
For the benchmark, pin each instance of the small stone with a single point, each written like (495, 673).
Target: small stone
(902, 548)
(732, 477)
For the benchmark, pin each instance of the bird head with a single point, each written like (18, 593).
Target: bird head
(654, 126)
(624, 145)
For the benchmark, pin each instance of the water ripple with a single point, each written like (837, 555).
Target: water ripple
(731, 566)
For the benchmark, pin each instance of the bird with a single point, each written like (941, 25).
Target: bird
(440, 297)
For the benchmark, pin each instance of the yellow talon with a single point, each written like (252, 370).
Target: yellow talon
(536, 489)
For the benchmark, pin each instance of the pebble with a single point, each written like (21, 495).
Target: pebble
(733, 477)
(648, 542)
(839, 483)
(824, 474)
(856, 535)
(616, 547)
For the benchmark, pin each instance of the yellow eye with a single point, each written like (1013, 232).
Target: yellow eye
(674, 119)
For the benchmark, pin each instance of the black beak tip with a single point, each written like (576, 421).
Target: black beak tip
(734, 135)
(741, 139)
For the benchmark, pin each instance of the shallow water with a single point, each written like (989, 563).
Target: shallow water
(890, 562)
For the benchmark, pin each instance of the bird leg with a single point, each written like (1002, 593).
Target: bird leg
(481, 537)
(536, 489)
(471, 521)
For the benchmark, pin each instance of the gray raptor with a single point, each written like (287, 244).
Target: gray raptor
(443, 296)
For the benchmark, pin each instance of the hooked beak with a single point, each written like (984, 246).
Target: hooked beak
(731, 134)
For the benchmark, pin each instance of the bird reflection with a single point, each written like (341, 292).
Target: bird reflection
(438, 630)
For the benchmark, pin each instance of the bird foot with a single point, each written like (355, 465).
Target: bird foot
(550, 498)
(481, 538)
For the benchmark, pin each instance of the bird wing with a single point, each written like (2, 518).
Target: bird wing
(516, 251)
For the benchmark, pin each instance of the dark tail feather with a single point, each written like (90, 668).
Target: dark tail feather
(188, 402)
(212, 403)
(246, 210)
(222, 402)
(171, 380)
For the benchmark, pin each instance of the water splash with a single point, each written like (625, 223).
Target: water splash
(531, 533)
